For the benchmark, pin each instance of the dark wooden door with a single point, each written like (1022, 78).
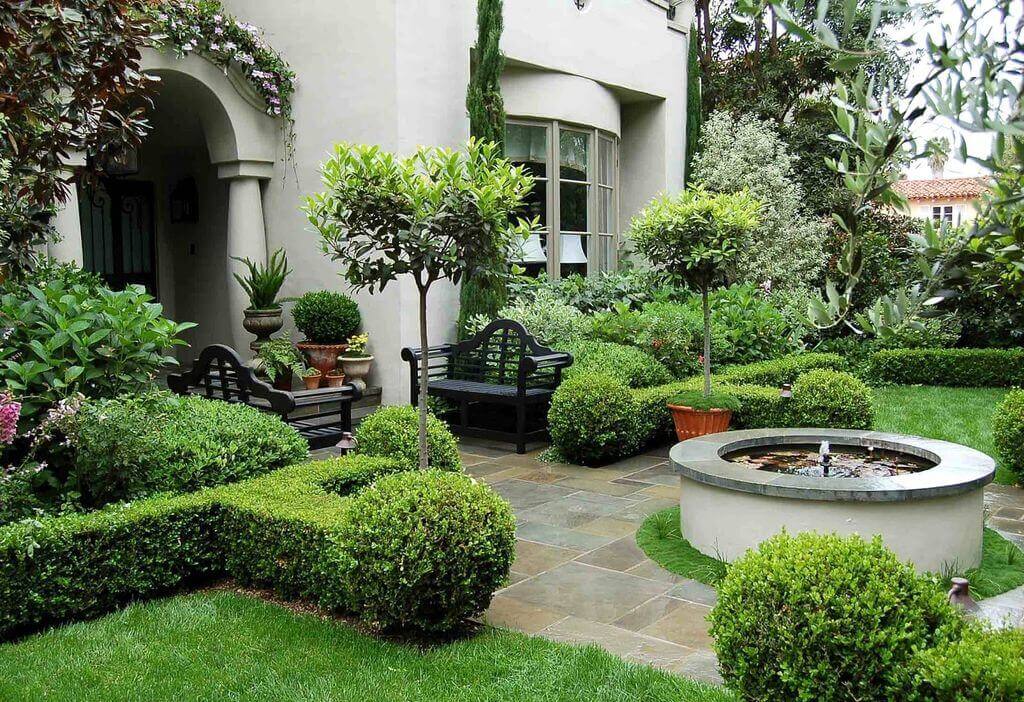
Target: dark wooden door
(118, 233)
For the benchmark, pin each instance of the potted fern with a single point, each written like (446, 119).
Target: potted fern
(696, 235)
(262, 283)
(280, 361)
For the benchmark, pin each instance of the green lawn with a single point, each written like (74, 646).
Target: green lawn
(962, 415)
(225, 646)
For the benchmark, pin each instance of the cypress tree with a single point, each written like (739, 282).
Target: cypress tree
(487, 122)
(693, 106)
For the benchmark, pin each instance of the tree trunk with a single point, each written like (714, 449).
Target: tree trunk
(424, 375)
(707, 341)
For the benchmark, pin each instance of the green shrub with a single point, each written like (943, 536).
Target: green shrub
(424, 550)
(817, 618)
(594, 419)
(951, 367)
(782, 370)
(825, 398)
(62, 340)
(550, 320)
(696, 399)
(279, 530)
(627, 364)
(982, 666)
(393, 432)
(1008, 431)
(673, 333)
(133, 446)
(326, 317)
(752, 328)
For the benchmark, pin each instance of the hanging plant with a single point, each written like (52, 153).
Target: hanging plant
(204, 27)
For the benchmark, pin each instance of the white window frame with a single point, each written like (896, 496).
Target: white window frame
(553, 129)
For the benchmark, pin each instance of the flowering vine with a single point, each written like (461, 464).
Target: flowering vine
(204, 27)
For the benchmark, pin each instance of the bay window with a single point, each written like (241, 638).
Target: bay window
(575, 196)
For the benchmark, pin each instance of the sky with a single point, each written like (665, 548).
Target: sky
(978, 144)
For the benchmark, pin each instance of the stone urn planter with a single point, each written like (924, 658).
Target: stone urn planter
(357, 368)
(690, 422)
(323, 357)
(335, 379)
(262, 324)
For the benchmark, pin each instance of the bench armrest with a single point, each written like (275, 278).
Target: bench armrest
(551, 360)
(415, 353)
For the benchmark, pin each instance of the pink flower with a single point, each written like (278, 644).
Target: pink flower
(9, 413)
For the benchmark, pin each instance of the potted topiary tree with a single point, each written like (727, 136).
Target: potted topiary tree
(437, 214)
(262, 283)
(327, 319)
(695, 235)
(356, 362)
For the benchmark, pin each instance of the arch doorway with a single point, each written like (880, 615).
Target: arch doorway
(172, 215)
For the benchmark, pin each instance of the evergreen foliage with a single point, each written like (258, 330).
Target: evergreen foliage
(693, 104)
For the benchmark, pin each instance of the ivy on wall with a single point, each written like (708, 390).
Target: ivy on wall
(486, 121)
(204, 27)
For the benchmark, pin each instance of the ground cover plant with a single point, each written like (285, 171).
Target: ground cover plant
(220, 645)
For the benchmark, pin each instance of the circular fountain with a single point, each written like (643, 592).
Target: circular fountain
(924, 497)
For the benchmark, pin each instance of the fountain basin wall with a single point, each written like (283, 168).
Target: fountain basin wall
(933, 518)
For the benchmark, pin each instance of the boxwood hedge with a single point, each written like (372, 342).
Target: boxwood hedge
(995, 368)
(279, 531)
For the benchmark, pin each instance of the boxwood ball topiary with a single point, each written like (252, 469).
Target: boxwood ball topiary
(825, 398)
(982, 666)
(594, 419)
(822, 618)
(424, 550)
(326, 317)
(393, 432)
(1008, 431)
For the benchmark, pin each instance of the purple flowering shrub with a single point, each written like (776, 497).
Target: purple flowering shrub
(10, 410)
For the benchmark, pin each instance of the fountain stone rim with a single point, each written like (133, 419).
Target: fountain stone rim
(957, 469)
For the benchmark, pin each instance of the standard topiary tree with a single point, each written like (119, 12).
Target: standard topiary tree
(392, 432)
(438, 214)
(822, 618)
(424, 550)
(695, 235)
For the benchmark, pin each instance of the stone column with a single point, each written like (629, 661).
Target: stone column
(67, 222)
(246, 238)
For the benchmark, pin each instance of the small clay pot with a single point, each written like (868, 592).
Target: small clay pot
(335, 379)
(312, 381)
(690, 422)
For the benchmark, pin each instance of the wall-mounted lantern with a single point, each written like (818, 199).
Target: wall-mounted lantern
(185, 201)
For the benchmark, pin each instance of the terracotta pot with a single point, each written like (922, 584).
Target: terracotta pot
(357, 368)
(262, 324)
(283, 380)
(335, 379)
(690, 422)
(323, 357)
(312, 381)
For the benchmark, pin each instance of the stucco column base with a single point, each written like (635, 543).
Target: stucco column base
(68, 223)
(246, 238)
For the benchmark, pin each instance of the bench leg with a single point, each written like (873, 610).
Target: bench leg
(464, 413)
(521, 428)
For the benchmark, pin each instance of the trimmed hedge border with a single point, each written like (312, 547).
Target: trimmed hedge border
(637, 418)
(970, 368)
(276, 531)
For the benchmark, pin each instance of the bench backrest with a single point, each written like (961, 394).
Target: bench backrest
(220, 373)
(494, 354)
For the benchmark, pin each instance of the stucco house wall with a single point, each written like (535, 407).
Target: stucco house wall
(394, 73)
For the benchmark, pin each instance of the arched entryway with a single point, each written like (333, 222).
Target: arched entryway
(185, 204)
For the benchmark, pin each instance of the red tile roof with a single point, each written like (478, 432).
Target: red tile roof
(942, 188)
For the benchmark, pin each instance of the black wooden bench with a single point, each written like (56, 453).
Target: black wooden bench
(502, 365)
(220, 373)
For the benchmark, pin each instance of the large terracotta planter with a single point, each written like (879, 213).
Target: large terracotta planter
(690, 422)
(357, 369)
(262, 324)
(323, 357)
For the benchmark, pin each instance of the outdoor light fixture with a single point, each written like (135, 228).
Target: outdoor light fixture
(786, 390)
(347, 443)
(123, 161)
(581, 4)
(185, 201)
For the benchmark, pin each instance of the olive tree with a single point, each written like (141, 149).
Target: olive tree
(696, 236)
(437, 214)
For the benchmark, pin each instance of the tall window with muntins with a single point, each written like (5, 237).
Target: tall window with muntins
(575, 171)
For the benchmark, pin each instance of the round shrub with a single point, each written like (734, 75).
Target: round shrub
(137, 445)
(818, 618)
(982, 666)
(423, 550)
(594, 419)
(326, 317)
(826, 398)
(627, 364)
(1008, 431)
(393, 432)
